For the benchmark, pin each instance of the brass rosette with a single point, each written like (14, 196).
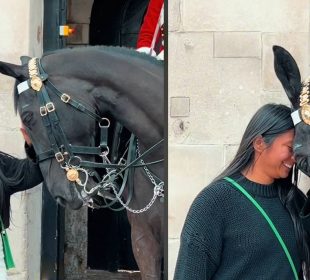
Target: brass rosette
(305, 113)
(36, 83)
(72, 175)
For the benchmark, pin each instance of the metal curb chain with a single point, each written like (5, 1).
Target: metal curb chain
(160, 186)
(157, 192)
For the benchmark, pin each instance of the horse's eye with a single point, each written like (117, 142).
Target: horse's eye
(26, 118)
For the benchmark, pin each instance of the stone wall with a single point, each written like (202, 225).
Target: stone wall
(78, 18)
(220, 72)
(21, 34)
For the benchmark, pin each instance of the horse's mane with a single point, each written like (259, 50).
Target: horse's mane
(131, 53)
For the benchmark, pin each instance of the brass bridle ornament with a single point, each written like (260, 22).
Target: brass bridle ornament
(303, 113)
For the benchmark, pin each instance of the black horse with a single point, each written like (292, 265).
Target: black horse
(69, 91)
(298, 93)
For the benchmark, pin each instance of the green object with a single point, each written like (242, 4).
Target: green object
(8, 258)
(272, 226)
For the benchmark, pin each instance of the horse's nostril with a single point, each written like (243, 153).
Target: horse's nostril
(61, 201)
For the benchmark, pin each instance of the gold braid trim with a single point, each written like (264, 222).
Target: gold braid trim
(35, 81)
(304, 99)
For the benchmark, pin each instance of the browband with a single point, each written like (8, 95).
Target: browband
(296, 117)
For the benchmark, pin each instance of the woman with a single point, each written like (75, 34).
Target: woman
(15, 175)
(225, 236)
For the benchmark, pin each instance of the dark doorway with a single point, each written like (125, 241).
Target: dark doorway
(113, 23)
(117, 22)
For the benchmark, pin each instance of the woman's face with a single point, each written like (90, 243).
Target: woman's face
(277, 159)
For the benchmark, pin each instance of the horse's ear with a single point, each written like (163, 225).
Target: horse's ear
(16, 71)
(288, 73)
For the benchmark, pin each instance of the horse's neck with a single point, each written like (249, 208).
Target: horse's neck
(134, 103)
(132, 116)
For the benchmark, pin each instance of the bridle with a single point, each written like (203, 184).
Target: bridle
(67, 155)
(302, 115)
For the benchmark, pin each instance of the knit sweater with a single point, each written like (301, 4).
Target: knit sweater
(225, 237)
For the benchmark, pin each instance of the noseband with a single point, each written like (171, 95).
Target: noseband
(66, 154)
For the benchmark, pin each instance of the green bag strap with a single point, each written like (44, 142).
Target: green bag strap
(8, 258)
(264, 214)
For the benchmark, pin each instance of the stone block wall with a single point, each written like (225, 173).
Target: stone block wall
(21, 34)
(220, 72)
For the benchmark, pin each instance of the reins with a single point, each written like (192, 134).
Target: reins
(66, 154)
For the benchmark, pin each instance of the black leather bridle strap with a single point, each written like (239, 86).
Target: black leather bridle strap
(58, 140)
(80, 150)
(48, 124)
(67, 99)
(104, 124)
(148, 151)
(51, 121)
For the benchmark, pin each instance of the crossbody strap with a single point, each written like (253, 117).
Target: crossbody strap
(265, 215)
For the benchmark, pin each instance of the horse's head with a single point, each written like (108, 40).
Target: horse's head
(299, 95)
(48, 113)
(45, 126)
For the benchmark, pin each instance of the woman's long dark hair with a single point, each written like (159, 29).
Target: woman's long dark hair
(270, 121)
(9, 178)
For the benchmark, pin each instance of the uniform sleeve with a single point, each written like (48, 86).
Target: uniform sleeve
(149, 24)
(201, 239)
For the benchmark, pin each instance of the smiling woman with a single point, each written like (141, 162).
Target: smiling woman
(272, 161)
(225, 236)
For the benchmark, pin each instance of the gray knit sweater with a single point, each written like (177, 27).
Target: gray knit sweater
(225, 237)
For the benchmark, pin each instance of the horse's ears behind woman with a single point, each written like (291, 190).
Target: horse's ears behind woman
(288, 73)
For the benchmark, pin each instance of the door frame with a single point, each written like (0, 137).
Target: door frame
(53, 215)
